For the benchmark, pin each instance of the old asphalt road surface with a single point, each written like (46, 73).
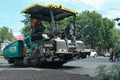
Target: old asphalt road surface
(88, 65)
(75, 70)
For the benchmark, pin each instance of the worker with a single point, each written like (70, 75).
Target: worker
(111, 50)
(37, 25)
(69, 31)
(38, 30)
(34, 21)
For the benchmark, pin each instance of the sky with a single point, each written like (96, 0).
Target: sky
(11, 17)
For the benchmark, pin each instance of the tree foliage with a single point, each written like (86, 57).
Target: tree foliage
(26, 21)
(116, 33)
(27, 25)
(107, 32)
(26, 30)
(90, 24)
(95, 30)
(5, 34)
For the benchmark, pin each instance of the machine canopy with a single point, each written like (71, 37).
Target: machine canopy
(43, 12)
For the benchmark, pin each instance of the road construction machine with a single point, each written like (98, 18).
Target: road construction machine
(45, 49)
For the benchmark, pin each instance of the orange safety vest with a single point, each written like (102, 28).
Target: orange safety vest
(34, 22)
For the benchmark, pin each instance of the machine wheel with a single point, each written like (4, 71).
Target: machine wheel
(27, 62)
(57, 64)
(11, 61)
(51, 64)
(18, 62)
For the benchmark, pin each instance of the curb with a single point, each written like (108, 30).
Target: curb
(1, 56)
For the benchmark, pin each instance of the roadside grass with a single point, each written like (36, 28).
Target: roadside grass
(109, 73)
(1, 54)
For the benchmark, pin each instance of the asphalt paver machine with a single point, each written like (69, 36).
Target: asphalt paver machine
(40, 49)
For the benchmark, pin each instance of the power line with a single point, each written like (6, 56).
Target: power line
(88, 6)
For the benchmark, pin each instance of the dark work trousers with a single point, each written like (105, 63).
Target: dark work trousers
(111, 57)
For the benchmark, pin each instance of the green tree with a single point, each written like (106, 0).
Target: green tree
(108, 32)
(5, 34)
(26, 20)
(94, 30)
(116, 35)
(27, 28)
(89, 25)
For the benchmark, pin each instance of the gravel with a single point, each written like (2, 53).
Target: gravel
(47, 74)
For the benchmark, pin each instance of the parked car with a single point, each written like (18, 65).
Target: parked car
(107, 54)
(93, 53)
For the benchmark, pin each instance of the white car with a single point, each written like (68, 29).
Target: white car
(93, 53)
(107, 54)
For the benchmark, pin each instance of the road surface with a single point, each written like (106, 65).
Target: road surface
(83, 66)
(88, 65)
